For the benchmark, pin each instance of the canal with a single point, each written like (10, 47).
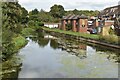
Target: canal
(46, 56)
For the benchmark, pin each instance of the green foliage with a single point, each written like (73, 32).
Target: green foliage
(27, 31)
(45, 17)
(85, 12)
(35, 24)
(75, 11)
(85, 35)
(57, 11)
(11, 47)
(113, 39)
(13, 18)
(19, 42)
(13, 14)
(35, 11)
(54, 44)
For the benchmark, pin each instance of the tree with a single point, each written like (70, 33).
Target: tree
(24, 17)
(75, 11)
(12, 17)
(57, 11)
(35, 11)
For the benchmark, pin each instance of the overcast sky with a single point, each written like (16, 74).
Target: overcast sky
(68, 4)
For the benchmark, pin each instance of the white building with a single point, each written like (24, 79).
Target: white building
(52, 25)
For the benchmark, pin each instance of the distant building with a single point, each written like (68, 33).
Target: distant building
(52, 25)
(110, 13)
(111, 16)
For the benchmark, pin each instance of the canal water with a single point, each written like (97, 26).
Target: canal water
(50, 57)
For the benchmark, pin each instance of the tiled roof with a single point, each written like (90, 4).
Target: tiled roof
(110, 11)
(83, 17)
(70, 17)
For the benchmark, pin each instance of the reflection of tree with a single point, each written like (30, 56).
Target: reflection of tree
(11, 68)
(13, 75)
(41, 34)
(54, 44)
(114, 56)
(43, 42)
(35, 39)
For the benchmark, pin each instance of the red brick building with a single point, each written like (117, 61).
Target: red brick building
(78, 23)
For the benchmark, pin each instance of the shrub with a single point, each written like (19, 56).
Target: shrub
(27, 31)
(19, 42)
(110, 39)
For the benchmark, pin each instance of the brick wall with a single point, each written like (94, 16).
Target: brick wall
(109, 23)
(83, 23)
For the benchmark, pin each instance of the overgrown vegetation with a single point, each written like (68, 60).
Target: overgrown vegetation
(14, 19)
(27, 31)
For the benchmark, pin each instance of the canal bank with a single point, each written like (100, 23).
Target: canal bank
(84, 37)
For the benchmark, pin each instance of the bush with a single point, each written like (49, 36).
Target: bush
(19, 42)
(109, 39)
(35, 24)
(31, 23)
(27, 31)
(40, 24)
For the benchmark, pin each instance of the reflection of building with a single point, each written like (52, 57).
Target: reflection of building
(78, 23)
(90, 50)
(83, 46)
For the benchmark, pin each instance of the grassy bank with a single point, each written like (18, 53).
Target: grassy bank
(89, 36)
(111, 39)
(13, 46)
(19, 42)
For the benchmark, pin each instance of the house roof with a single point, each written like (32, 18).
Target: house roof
(74, 17)
(83, 17)
(110, 11)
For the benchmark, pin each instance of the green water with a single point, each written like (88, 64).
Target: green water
(46, 58)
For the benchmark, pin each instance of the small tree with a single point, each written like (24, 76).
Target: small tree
(57, 11)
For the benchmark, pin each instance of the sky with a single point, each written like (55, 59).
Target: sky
(68, 4)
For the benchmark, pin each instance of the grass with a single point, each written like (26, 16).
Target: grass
(85, 35)
(19, 42)
(27, 31)
(111, 39)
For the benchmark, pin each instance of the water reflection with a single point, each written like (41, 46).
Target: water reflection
(43, 42)
(54, 44)
(49, 57)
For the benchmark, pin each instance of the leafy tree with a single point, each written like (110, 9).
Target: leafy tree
(13, 17)
(57, 11)
(35, 11)
(24, 16)
(75, 11)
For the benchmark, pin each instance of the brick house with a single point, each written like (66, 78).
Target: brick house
(77, 22)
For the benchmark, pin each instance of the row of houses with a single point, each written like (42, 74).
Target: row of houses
(109, 17)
